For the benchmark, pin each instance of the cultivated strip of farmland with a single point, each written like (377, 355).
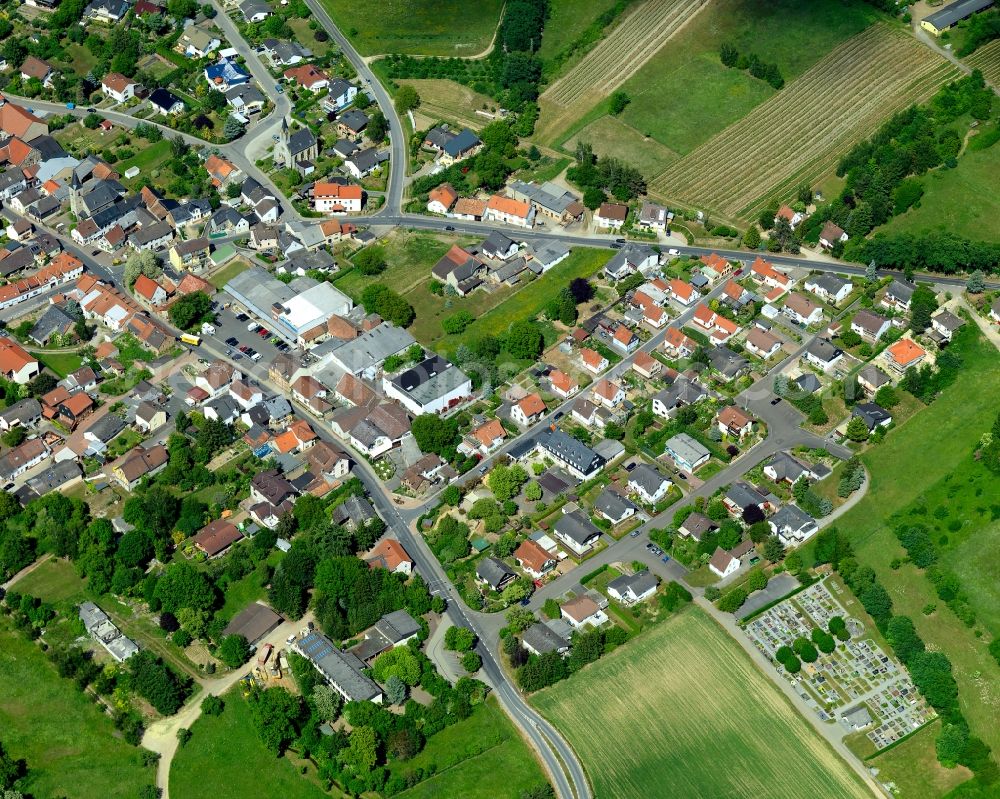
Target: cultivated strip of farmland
(987, 60)
(800, 133)
(682, 711)
(613, 61)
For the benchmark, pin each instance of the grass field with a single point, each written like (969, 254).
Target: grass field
(62, 363)
(228, 272)
(442, 28)
(611, 136)
(913, 767)
(645, 28)
(149, 159)
(683, 706)
(531, 299)
(909, 465)
(450, 101)
(567, 20)
(481, 757)
(214, 762)
(961, 200)
(53, 581)
(56, 581)
(69, 744)
(409, 256)
(798, 135)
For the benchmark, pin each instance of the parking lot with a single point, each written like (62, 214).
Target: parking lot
(240, 335)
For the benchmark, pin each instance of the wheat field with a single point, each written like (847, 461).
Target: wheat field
(682, 711)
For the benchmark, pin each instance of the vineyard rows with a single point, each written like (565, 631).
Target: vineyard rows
(616, 58)
(987, 60)
(799, 134)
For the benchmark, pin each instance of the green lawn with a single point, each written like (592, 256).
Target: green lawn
(443, 28)
(70, 745)
(123, 443)
(962, 201)
(684, 95)
(481, 757)
(228, 272)
(683, 706)
(226, 760)
(62, 363)
(241, 593)
(911, 465)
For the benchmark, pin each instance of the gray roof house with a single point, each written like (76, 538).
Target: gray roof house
(648, 483)
(613, 507)
(540, 639)
(696, 525)
(727, 363)
(576, 531)
(792, 524)
(686, 452)
(822, 353)
(872, 415)
(432, 386)
(24, 412)
(632, 588)
(54, 320)
(741, 495)
(354, 511)
(784, 468)
(494, 573)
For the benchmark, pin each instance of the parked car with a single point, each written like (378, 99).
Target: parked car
(634, 534)
(232, 341)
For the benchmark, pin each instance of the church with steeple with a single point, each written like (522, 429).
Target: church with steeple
(296, 149)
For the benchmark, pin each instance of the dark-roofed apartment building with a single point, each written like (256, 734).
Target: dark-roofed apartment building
(579, 459)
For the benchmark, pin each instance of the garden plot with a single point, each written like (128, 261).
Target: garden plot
(856, 674)
(798, 135)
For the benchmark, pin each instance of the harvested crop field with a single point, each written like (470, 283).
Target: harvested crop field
(684, 706)
(987, 60)
(799, 134)
(612, 62)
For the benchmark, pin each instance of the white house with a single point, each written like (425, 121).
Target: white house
(632, 588)
(648, 484)
(801, 309)
(829, 288)
(722, 563)
(528, 411)
(118, 87)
